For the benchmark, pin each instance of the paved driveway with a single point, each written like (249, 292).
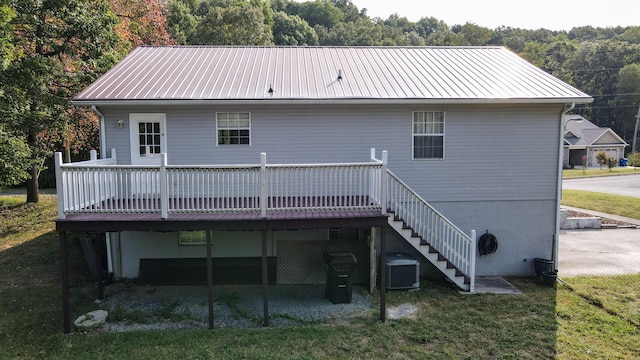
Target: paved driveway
(599, 252)
(626, 185)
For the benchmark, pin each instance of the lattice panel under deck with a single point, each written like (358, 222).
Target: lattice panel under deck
(301, 262)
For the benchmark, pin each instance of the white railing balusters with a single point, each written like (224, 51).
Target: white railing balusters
(101, 186)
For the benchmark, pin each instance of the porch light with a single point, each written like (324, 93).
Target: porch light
(120, 123)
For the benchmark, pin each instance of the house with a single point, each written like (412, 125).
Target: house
(584, 138)
(247, 163)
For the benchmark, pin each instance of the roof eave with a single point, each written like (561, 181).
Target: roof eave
(337, 101)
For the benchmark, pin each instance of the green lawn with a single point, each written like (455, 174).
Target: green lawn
(591, 172)
(607, 203)
(588, 318)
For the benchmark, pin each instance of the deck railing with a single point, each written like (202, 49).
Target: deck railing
(102, 186)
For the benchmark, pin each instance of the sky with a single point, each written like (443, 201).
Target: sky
(532, 14)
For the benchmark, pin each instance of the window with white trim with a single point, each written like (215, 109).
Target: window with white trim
(188, 238)
(428, 135)
(233, 128)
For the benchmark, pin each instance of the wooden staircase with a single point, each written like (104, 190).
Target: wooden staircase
(430, 253)
(448, 248)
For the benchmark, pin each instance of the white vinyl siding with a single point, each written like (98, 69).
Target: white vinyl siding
(233, 128)
(428, 135)
(492, 152)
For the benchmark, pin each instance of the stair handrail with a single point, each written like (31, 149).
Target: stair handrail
(428, 223)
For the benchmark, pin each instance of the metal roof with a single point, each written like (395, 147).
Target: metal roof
(394, 74)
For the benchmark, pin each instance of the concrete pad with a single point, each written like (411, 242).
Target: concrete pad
(403, 311)
(494, 285)
(599, 252)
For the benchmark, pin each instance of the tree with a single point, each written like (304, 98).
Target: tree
(14, 159)
(292, 30)
(60, 47)
(182, 23)
(474, 34)
(628, 99)
(234, 25)
(320, 13)
(142, 22)
(6, 14)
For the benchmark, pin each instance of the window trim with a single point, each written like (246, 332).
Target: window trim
(413, 135)
(218, 128)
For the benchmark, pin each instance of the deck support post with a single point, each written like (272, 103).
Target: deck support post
(99, 242)
(383, 274)
(64, 262)
(209, 279)
(372, 261)
(265, 281)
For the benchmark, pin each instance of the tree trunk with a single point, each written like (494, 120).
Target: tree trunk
(33, 194)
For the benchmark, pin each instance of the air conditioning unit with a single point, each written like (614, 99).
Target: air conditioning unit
(403, 271)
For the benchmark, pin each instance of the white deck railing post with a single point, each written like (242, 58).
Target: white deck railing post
(472, 270)
(383, 182)
(113, 156)
(164, 196)
(93, 155)
(59, 185)
(263, 185)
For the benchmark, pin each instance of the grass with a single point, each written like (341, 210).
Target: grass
(584, 318)
(591, 172)
(607, 203)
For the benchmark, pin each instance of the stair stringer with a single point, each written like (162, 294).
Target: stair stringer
(430, 254)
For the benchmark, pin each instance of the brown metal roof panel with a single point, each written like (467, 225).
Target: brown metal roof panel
(234, 72)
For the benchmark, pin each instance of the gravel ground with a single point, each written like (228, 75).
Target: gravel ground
(134, 307)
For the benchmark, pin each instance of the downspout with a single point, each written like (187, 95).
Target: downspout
(103, 150)
(556, 236)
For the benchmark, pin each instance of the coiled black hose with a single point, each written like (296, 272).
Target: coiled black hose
(488, 244)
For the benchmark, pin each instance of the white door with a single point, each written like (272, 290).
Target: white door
(148, 138)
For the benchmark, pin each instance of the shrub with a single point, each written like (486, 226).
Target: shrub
(611, 163)
(601, 158)
(634, 159)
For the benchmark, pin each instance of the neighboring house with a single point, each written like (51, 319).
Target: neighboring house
(582, 137)
(188, 136)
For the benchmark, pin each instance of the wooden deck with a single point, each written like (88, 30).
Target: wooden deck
(279, 220)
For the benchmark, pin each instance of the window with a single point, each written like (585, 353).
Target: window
(234, 128)
(149, 138)
(428, 135)
(186, 238)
